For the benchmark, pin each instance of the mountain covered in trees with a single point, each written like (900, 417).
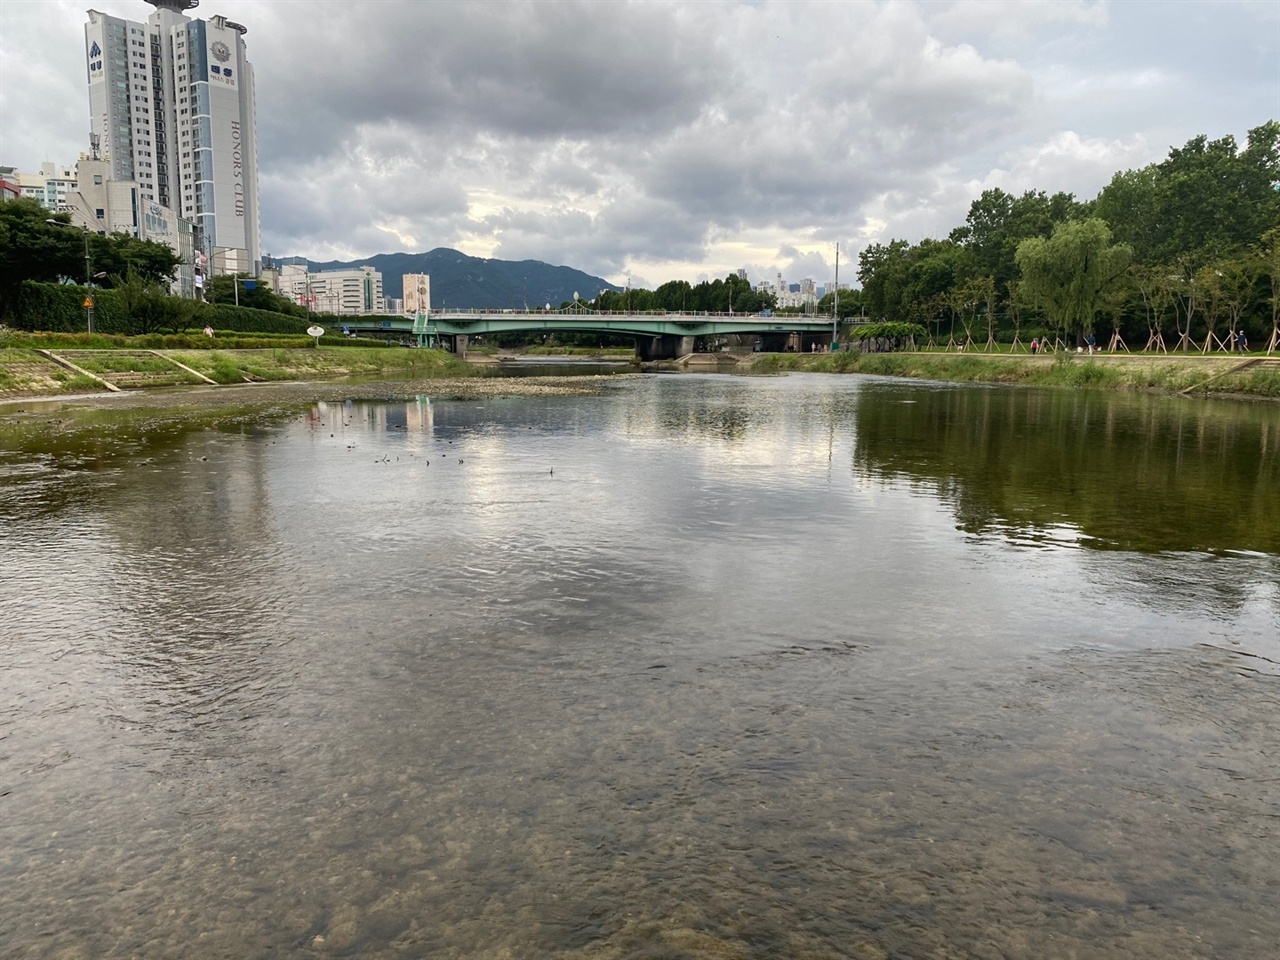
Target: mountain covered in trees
(460, 281)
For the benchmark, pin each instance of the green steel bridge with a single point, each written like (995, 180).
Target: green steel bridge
(658, 336)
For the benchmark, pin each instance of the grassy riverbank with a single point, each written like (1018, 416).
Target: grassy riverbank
(325, 363)
(1166, 373)
(26, 372)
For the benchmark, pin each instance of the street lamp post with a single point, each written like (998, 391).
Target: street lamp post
(835, 304)
(88, 271)
(248, 285)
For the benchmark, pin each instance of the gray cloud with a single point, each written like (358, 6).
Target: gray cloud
(676, 139)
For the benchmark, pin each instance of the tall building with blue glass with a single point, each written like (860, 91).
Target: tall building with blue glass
(171, 101)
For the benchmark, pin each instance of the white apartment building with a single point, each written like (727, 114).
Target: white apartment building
(49, 185)
(349, 293)
(171, 101)
(417, 294)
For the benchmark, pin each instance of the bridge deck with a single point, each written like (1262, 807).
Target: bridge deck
(473, 322)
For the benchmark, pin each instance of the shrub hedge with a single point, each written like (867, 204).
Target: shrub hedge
(59, 308)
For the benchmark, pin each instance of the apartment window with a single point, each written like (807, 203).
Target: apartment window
(101, 213)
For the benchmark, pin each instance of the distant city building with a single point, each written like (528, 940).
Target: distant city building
(352, 293)
(417, 294)
(790, 295)
(290, 279)
(9, 191)
(171, 106)
(393, 306)
(49, 185)
(742, 273)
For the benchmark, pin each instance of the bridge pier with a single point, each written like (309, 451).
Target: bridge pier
(454, 343)
(664, 347)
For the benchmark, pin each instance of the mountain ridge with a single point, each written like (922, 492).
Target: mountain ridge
(461, 281)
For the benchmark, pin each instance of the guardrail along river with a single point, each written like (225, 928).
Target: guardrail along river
(804, 667)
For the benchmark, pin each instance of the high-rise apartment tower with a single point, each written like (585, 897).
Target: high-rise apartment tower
(171, 103)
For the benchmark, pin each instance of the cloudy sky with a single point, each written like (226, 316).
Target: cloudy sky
(678, 140)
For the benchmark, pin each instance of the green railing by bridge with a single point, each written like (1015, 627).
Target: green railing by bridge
(652, 324)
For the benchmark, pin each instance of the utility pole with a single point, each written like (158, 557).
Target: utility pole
(835, 303)
(88, 269)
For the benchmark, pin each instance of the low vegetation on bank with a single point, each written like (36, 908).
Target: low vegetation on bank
(135, 361)
(1169, 373)
(239, 366)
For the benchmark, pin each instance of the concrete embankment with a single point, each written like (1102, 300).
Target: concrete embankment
(39, 372)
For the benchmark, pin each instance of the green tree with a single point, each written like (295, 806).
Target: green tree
(673, 295)
(1128, 205)
(1213, 200)
(32, 249)
(998, 222)
(882, 271)
(1068, 274)
(149, 306)
(119, 254)
(261, 297)
(1269, 252)
(850, 304)
(1156, 290)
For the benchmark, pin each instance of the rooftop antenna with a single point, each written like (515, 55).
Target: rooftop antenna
(93, 145)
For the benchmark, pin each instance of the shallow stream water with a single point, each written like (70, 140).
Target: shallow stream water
(703, 666)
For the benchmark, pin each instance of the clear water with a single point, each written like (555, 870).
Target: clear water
(701, 667)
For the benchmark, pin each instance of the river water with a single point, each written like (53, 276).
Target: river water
(701, 666)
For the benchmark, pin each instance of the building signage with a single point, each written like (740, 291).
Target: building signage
(221, 69)
(96, 71)
(232, 147)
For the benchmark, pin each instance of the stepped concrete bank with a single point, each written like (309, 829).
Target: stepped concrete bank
(28, 373)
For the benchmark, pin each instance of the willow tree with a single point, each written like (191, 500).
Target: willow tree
(1068, 274)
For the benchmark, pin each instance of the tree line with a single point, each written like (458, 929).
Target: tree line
(733, 294)
(42, 247)
(1181, 254)
(39, 246)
